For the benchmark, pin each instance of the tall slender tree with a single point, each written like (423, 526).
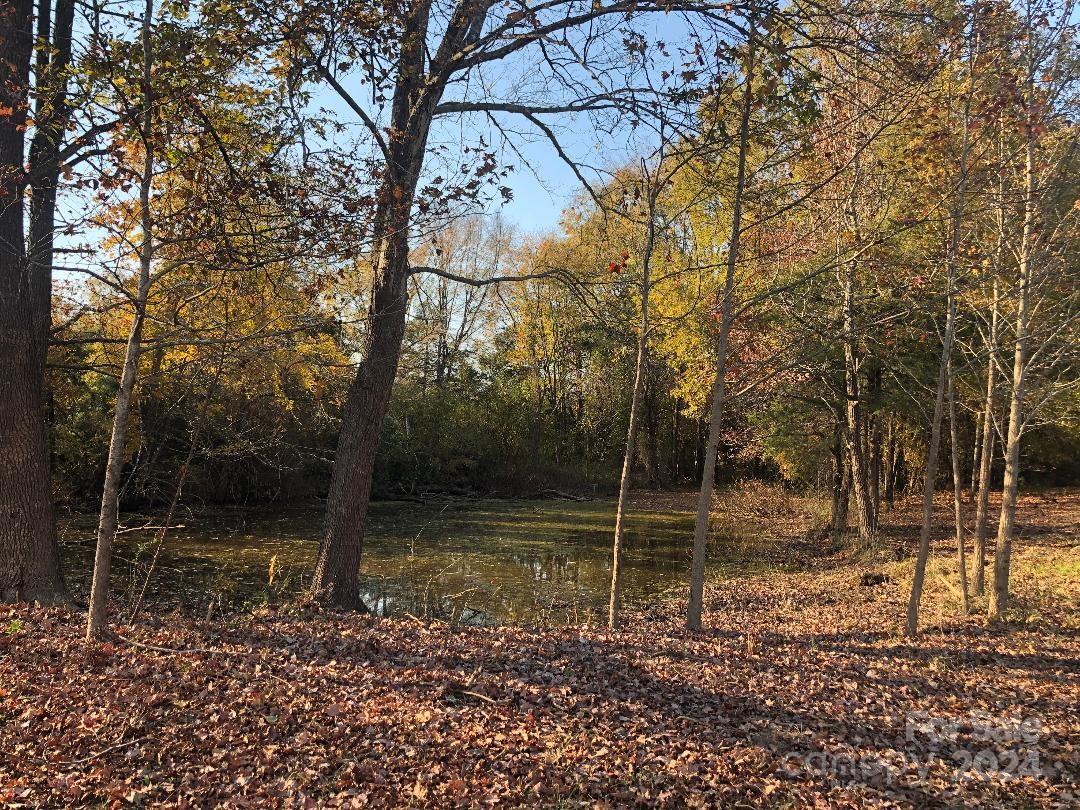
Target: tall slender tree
(958, 507)
(986, 457)
(110, 496)
(1047, 86)
(726, 305)
(956, 220)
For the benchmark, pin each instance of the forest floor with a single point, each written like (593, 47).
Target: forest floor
(801, 692)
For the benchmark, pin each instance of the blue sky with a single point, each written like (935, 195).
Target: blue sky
(542, 190)
(536, 207)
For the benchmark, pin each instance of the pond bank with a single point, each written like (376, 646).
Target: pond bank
(543, 562)
(799, 693)
(476, 562)
(482, 562)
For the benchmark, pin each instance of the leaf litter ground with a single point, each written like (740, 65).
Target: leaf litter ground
(800, 693)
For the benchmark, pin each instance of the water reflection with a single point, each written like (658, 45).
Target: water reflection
(488, 562)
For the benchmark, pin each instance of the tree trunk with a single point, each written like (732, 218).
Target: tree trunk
(114, 467)
(108, 518)
(999, 593)
(989, 433)
(875, 467)
(841, 495)
(930, 470)
(51, 117)
(716, 408)
(986, 459)
(891, 458)
(29, 556)
(976, 455)
(961, 558)
(854, 412)
(632, 428)
(337, 568)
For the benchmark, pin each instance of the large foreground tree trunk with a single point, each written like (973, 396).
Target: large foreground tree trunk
(337, 567)
(29, 556)
(52, 115)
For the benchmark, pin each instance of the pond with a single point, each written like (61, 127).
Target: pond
(475, 562)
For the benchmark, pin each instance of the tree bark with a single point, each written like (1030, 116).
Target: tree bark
(961, 558)
(976, 456)
(999, 594)
(337, 569)
(875, 468)
(930, 470)
(635, 416)
(716, 408)
(29, 555)
(108, 517)
(841, 494)
(986, 459)
(51, 117)
(891, 459)
(854, 412)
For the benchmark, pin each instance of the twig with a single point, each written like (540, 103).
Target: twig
(171, 650)
(103, 751)
(148, 527)
(207, 651)
(477, 695)
(412, 545)
(559, 493)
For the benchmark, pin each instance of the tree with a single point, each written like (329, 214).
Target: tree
(954, 451)
(1048, 140)
(29, 557)
(930, 470)
(654, 221)
(413, 59)
(726, 302)
(986, 457)
(110, 496)
(164, 156)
